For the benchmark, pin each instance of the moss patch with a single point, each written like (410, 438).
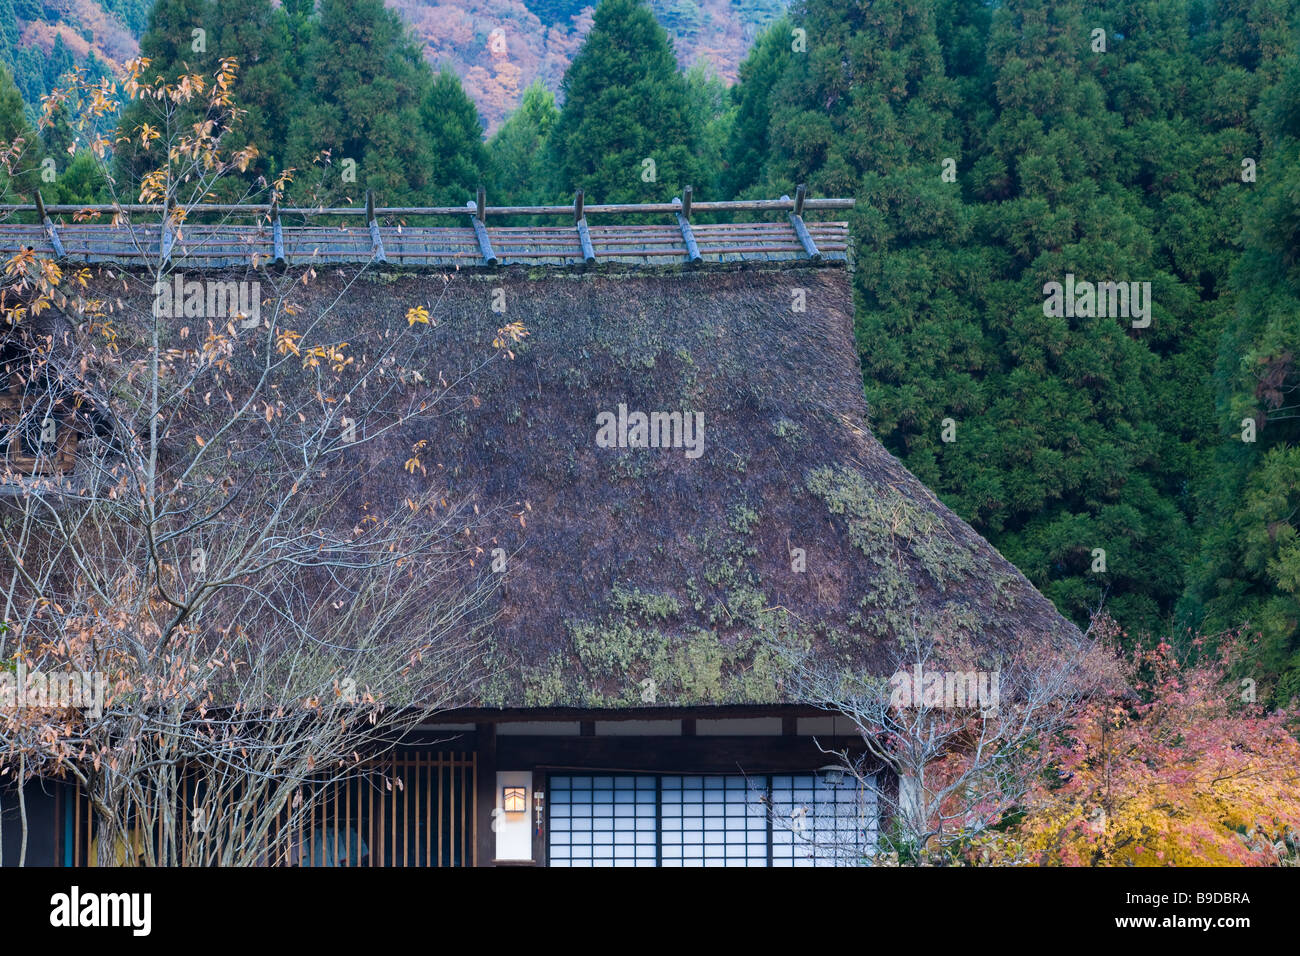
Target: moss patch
(886, 525)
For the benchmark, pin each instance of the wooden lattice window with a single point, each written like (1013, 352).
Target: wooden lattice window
(408, 808)
(38, 435)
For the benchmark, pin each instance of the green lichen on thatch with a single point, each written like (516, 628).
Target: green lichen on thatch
(644, 634)
(1004, 587)
(884, 523)
(742, 518)
(729, 583)
(547, 685)
(790, 431)
(633, 601)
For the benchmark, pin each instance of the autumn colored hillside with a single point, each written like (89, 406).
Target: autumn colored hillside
(496, 47)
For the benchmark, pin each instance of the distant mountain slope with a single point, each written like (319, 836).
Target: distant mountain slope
(497, 47)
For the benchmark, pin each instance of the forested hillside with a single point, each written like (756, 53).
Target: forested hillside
(1146, 465)
(497, 47)
(1142, 461)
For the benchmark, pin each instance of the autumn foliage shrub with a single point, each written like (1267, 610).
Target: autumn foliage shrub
(1185, 769)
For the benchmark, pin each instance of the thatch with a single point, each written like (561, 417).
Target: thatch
(635, 563)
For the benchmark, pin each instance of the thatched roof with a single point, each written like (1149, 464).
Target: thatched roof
(635, 563)
(644, 563)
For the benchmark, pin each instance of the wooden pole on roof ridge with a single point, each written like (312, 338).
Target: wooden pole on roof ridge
(50, 230)
(684, 223)
(736, 205)
(800, 230)
(584, 235)
(277, 234)
(482, 203)
(480, 231)
(376, 241)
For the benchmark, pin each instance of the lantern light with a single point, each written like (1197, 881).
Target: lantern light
(831, 775)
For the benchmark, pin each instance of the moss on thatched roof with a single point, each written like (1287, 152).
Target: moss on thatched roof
(645, 563)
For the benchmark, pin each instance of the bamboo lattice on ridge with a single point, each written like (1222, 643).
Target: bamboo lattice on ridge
(259, 235)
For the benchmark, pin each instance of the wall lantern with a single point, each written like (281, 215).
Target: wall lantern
(831, 775)
(514, 799)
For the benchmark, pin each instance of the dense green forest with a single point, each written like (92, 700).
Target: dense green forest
(338, 92)
(36, 70)
(1149, 465)
(996, 148)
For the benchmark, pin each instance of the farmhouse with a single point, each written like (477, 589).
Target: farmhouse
(625, 702)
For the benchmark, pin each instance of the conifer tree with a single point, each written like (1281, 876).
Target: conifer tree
(624, 132)
(194, 36)
(364, 84)
(969, 207)
(517, 151)
(747, 146)
(450, 123)
(1070, 466)
(8, 33)
(256, 34)
(173, 48)
(21, 147)
(712, 116)
(81, 182)
(1249, 568)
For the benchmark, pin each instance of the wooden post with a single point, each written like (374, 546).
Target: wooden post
(376, 241)
(584, 235)
(484, 244)
(277, 234)
(50, 229)
(482, 203)
(686, 203)
(539, 830)
(684, 223)
(796, 220)
(805, 239)
(485, 790)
